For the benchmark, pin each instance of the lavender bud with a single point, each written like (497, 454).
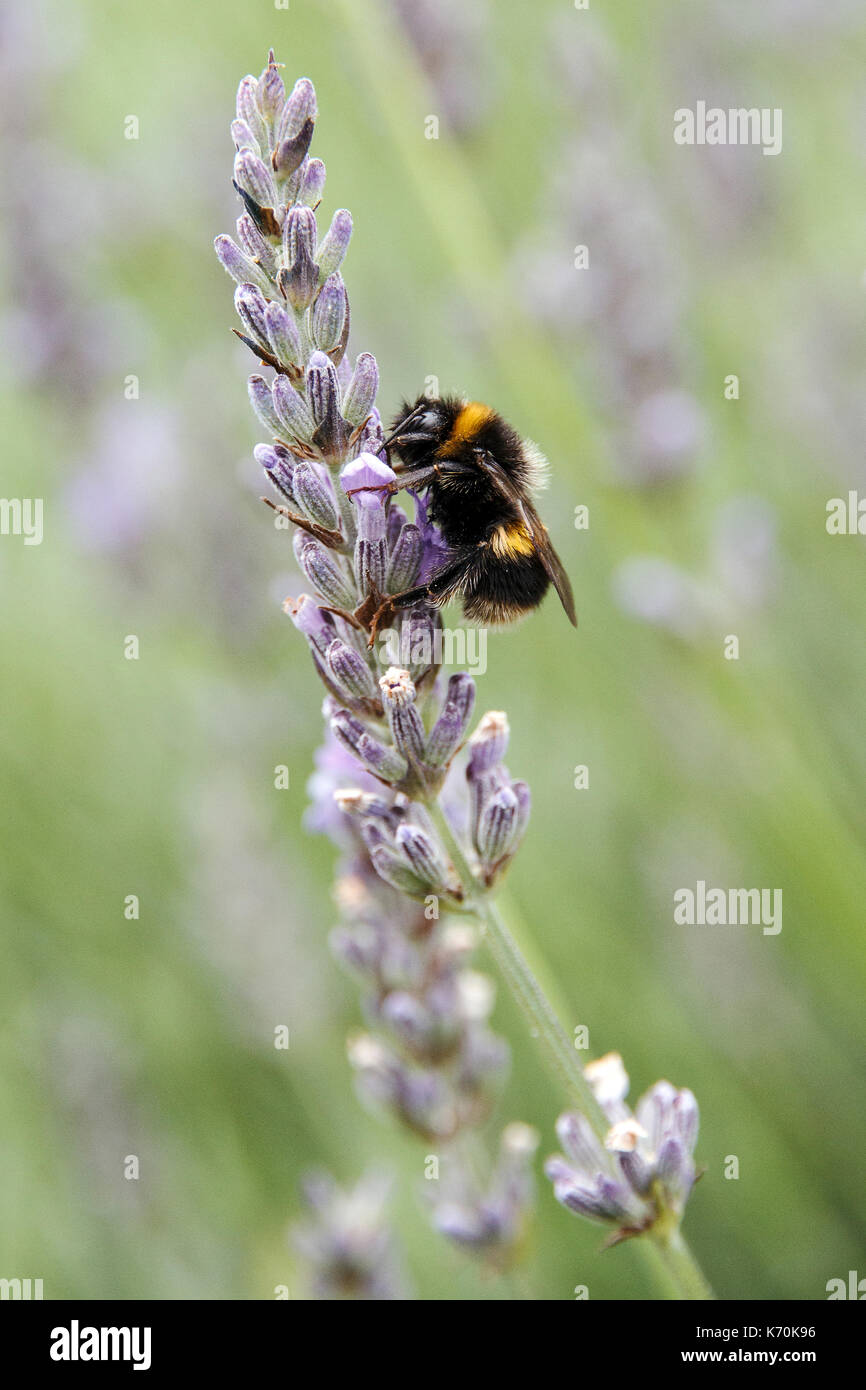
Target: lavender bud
(257, 248)
(370, 557)
(314, 495)
(239, 266)
(312, 183)
(252, 306)
(329, 314)
(673, 1167)
(315, 624)
(366, 804)
(464, 1225)
(654, 1111)
(299, 281)
(372, 435)
(398, 697)
(397, 872)
(248, 110)
(360, 394)
(418, 630)
(291, 409)
(488, 744)
(350, 671)
(335, 244)
(254, 177)
(244, 138)
(599, 1201)
(450, 728)
(300, 107)
(424, 857)
(323, 389)
(481, 787)
(272, 93)
(637, 1172)
(382, 761)
(323, 571)
(687, 1117)
(299, 234)
(263, 404)
(495, 835)
(524, 805)
(405, 561)
(323, 393)
(278, 465)
(577, 1137)
(282, 334)
(407, 1018)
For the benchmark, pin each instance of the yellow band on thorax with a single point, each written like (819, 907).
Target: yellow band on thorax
(471, 418)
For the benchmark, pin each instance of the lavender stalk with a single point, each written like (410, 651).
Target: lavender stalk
(394, 726)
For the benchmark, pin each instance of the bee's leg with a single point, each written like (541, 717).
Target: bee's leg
(415, 477)
(390, 606)
(440, 587)
(333, 539)
(358, 431)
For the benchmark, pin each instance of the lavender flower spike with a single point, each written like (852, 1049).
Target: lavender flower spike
(641, 1177)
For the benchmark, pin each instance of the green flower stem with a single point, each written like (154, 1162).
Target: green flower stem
(533, 1002)
(667, 1249)
(678, 1264)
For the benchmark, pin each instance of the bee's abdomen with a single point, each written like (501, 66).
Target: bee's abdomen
(505, 587)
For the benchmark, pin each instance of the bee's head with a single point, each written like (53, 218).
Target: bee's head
(419, 427)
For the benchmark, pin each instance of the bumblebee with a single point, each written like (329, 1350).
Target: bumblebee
(479, 476)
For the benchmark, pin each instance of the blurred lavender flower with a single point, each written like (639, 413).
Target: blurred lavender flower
(348, 1242)
(627, 289)
(491, 1221)
(432, 1060)
(411, 850)
(739, 575)
(126, 478)
(644, 1172)
(56, 331)
(662, 594)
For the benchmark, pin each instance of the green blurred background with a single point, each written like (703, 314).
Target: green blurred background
(155, 777)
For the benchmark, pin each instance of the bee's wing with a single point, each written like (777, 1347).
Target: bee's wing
(551, 561)
(538, 533)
